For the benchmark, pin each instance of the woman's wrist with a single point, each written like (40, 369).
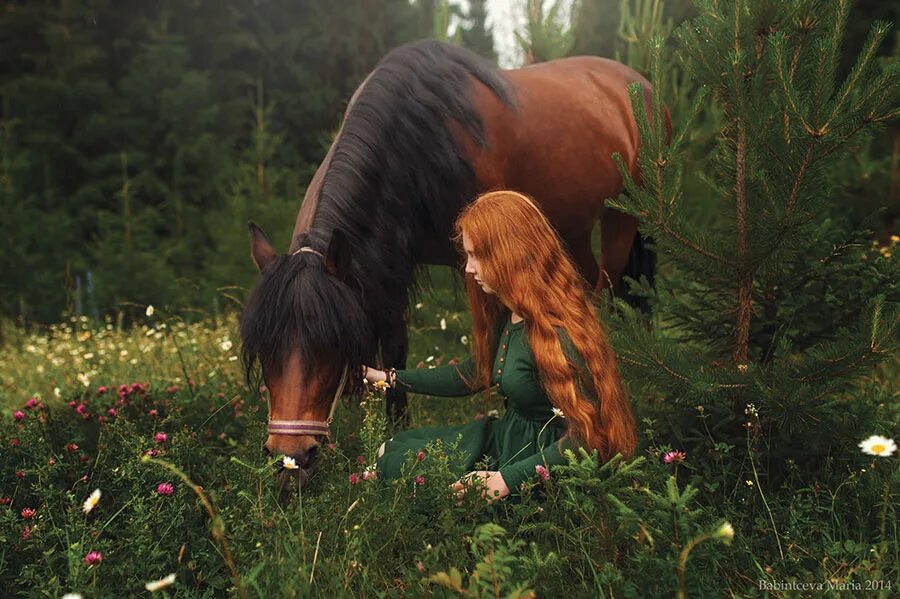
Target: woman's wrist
(375, 376)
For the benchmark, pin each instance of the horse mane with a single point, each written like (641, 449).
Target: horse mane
(397, 178)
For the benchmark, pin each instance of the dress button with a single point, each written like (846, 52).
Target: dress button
(502, 359)
(503, 346)
(499, 371)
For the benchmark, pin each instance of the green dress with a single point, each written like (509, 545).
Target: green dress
(524, 437)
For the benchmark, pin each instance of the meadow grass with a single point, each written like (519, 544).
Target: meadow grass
(158, 418)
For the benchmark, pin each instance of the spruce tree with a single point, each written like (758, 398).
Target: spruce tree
(769, 309)
(547, 34)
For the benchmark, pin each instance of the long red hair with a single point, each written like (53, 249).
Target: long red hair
(523, 260)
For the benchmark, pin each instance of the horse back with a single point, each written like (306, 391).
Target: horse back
(557, 143)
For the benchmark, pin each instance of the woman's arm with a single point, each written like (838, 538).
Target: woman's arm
(444, 381)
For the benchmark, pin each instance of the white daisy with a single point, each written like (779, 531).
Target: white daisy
(91, 502)
(289, 463)
(150, 310)
(878, 445)
(558, 413)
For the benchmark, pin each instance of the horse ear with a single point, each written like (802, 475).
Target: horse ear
(261, 250)
(337, 257)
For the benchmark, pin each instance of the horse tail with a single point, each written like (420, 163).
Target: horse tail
(641, 263)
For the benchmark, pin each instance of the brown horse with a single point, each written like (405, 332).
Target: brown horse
(431, 127)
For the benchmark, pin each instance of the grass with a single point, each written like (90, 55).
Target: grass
(634, 528)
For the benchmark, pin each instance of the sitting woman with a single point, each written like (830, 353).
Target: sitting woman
(537, 340)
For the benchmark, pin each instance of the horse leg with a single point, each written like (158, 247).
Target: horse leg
(617, 234)
(394, 352)
(579, 247)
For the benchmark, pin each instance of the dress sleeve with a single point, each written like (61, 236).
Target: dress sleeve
(454, 380)
(525, 470)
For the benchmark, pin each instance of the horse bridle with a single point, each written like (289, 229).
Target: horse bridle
(299, 428)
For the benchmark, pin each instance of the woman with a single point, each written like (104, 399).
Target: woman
(536, 338)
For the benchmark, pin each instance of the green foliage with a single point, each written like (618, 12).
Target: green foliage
(547, 36)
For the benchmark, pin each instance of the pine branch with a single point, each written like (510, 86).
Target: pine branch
(796, 188)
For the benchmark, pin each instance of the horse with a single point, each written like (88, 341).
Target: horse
(432, 126)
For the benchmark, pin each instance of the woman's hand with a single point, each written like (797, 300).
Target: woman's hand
(494, 485)
(374, 376)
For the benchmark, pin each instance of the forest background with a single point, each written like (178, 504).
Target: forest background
(138, 138)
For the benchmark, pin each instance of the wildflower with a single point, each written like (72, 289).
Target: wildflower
(289, 463)
(420, 480)
(71, 596)
(112, 412)
(558, 413)
(331, 447)
(464, 340)
(226, 344)
(354, 478)
(92, 558)
(751, 410)
(91, 502)
(165, 489)
(743, 368)
(674, 457)
(18, 415)
(878, 446)
(26, 533)
(152, 413)
(5, 500)
(420, 456)
(27, 513)
(31, 403)
(420, 566)
(71, 447)
(149, 311)
(381, 385)
(542, 472)
(152, 453)
(155, 585)
(83, 411)
(160, 437)
(360, 460)
(51, 461)
(493, 414)
(443, 324)
(172, 389)
(14, 442)
(369, 474)
(20, 474)
(725, 533)
(102, 389)
(749, 482)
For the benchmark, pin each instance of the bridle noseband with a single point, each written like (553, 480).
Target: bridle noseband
(302, 428)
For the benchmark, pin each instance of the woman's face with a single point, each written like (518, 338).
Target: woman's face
(473, 266)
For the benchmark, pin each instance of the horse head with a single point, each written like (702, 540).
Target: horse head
(304, 324)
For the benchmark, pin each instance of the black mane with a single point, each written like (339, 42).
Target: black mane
(397, 178)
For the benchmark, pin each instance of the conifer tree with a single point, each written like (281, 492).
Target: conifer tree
(765, 310)
(476, 35)
(547, 34)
